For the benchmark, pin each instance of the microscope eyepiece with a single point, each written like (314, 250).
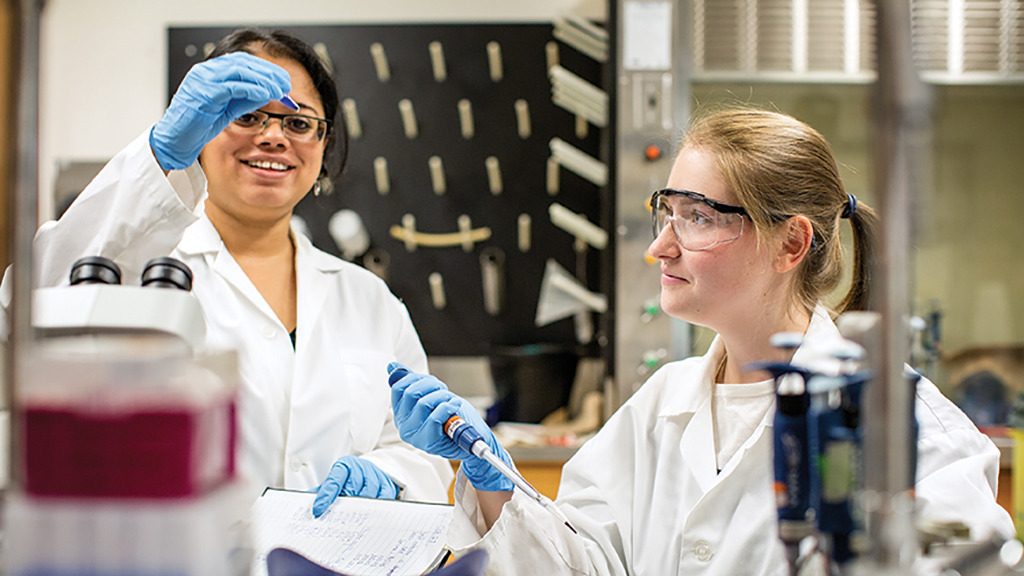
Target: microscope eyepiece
(95, 270)
(167, 272)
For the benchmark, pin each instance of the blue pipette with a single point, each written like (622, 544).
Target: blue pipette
(467, 438)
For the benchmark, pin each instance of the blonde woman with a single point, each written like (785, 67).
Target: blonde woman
(679, 481)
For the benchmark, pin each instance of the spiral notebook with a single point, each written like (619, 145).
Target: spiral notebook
(355, 537)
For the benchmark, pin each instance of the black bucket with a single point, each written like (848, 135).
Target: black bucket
(531, 381)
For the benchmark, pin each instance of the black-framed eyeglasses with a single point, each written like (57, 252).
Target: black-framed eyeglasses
(698, 222)
(298, 127)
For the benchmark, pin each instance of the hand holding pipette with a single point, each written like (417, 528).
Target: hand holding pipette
(433, 419)
(211, 95)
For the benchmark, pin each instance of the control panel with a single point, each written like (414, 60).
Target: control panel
(652, 71)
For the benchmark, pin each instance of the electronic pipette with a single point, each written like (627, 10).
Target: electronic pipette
(467, 438)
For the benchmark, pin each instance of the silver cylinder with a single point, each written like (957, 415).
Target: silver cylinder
(901, 123)
(22, 215)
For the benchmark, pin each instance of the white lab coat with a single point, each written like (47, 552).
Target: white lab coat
(302, 409)
(647, 499)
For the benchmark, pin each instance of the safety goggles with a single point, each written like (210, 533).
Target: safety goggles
(697, 221)
(297, 127)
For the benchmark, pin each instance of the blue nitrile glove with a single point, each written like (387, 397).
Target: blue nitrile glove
(422, 405)
(353, 476)
(213, 94)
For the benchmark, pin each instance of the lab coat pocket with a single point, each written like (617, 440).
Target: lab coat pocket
(364, 374)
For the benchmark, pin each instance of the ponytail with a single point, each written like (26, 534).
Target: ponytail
(864, 222)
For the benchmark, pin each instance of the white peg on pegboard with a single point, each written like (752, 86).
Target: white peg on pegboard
(494, 174)
(579, 161)
(466, 231)
(325, 57)
(409, 231)
(437, 175)
(408, 118)
(551, 180)
(380, 61)
(494, 61)
(582, 35)
(437, 61)
(348, 108)
(524, 223)
(437, 296)
(466, 118)
(582, 127)
(551, 54)
(380, 175)
(523, 118)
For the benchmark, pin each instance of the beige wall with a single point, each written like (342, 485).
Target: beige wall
(971, 256)
(969, 246)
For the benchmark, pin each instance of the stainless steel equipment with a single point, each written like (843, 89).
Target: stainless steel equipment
(652, 68)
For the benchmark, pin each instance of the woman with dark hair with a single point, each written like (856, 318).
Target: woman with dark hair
(249, 132)
(679, 480)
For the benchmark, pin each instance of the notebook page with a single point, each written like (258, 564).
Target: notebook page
(356, 536)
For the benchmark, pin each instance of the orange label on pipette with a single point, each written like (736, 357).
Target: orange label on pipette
(455, 419)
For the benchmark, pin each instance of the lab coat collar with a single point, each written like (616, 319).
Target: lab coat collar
(698, 371)
(820, 340)
(203, 238)
(322, 261)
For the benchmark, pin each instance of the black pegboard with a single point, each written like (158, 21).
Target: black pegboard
(463, 328)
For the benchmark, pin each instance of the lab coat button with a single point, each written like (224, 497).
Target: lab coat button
(702, 551)
(295, 464)
(268, 332)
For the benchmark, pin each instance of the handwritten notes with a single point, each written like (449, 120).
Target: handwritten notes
(356, 536)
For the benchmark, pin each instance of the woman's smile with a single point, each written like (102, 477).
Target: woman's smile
(269, 166)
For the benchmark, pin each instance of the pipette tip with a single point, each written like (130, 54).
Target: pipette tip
(546, 502)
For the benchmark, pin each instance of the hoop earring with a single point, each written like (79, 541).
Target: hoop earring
(316, 188)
